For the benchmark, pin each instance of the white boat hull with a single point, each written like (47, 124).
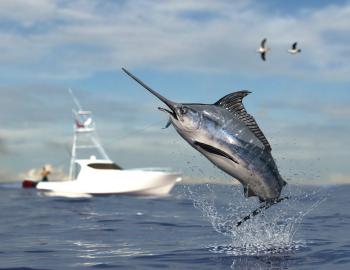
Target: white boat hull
(133, 182)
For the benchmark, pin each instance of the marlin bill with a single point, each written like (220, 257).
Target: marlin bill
(230, 138)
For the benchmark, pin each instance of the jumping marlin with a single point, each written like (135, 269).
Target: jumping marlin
(231, 139)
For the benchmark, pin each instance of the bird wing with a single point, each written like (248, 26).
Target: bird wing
(263, 56)
(294, 46)
(263, 42)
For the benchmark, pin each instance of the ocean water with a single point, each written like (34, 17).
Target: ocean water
(193, 228)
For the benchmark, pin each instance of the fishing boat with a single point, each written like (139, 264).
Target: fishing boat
(100, 175)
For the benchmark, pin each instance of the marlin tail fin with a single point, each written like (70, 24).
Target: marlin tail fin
(262, 207)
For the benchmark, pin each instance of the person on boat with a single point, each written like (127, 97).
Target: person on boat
(44, 174)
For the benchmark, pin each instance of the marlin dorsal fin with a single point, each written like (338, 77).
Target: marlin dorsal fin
(233, 103)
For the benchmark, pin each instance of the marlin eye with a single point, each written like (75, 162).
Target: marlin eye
(183, 110)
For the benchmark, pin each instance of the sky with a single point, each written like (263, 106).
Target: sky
(190, 51)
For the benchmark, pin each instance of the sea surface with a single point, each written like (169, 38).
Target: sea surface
(193, 228)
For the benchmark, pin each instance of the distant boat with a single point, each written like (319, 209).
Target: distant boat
(98, 176)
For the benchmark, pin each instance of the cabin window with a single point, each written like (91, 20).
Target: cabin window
(105, 166)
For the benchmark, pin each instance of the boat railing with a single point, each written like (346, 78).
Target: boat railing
(84, 130)
(154, 169)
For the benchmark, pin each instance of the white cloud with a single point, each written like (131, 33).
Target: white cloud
(82, 37)
(3, 146)
(27, 12)
(75, 39)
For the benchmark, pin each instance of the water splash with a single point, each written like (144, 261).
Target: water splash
(271, 232)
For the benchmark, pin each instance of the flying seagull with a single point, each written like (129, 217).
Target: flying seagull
(294, 49)
(263, 49)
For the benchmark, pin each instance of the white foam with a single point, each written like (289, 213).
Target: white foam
(272, 231)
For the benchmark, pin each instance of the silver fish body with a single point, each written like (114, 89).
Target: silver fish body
(231, 146)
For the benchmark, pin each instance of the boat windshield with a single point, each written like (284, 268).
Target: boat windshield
(105, 166)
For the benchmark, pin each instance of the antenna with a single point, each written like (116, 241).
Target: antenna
(75, 100)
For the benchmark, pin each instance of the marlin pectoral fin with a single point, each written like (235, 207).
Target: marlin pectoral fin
(214, 150)
(234, 103)
(167, 124)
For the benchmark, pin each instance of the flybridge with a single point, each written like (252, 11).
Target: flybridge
(85, 135)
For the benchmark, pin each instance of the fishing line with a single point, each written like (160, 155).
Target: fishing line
(158, 122)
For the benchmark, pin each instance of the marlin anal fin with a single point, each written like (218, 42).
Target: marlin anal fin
(281, 181)
(167, 124)
(248, 192)
(233, 103)
(214, 150)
